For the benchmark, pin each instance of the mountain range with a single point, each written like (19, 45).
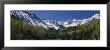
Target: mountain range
(34, 20)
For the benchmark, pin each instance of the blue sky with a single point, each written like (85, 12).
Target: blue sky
(64, 14)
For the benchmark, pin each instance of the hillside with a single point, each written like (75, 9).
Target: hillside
(87, 31)
(21, 30)
(25, 31)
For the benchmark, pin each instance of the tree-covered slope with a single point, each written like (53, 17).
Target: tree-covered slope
(21, 30)
(87, 31)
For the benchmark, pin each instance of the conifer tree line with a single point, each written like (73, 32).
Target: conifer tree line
(24, 31)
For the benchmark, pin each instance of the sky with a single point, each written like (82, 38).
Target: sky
(60, 15)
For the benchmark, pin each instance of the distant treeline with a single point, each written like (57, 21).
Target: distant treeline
(24, 31)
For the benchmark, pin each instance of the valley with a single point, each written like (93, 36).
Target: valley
(27, 26)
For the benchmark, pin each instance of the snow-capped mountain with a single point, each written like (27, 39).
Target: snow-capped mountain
(76, 22)
(34, 20)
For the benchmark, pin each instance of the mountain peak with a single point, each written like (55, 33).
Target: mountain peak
(34, 20)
